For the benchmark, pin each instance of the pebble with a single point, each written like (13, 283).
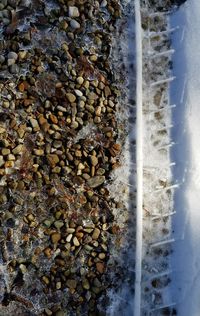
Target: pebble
(71, 97)
(11, 157)
(53, 159)
(85, 284)
(69, 238)
(11, 62)
(5, 151)
(22, 54)
(76, 242)
(96, 233)
(96, 181)
(1, 161)
(17, 150)
(35, 124)
(93, 160)
(39, 152)
(107, 91)
(80, 80)
(45, 279)
(58, 224)
(2, 59)
(73, 12)
(71, 283)
(12, 55)
(79, 93)
(74, 24)
(100, 267)
(14, 69)
(70, 230)
(55, 238)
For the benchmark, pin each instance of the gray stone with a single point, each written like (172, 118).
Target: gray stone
(96, 181)
(74, 24)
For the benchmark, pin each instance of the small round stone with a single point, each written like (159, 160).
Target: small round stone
(12, 55)
(74, 24)
(80, 80)
(71, 97)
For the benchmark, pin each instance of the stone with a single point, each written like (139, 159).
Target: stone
(102, 256)
(53, 159)
(69, 237)
(100, 267)
(70, 230)
(17, 150)
(71, 283)
(11, 61)
(5, 151)
(55, 238)
(93, 160)
(96, 233)
(107, 91)
(80, 80)
(2, 59)
(2, 130)
(53, 118)
(1, 161)
(96, 181)
(14, 69)
(58, 287)
(76, 242)
(58, 224)
(12, 55)
(11, 157)
(73, 12)
(74, 24)
(47, 251)
(22, 54)
(35, 124)
(39, 152)
(79, 93)
(45, 279)
(71, 97)
(86, 284)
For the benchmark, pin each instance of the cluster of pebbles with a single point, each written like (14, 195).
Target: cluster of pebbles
(58, 147)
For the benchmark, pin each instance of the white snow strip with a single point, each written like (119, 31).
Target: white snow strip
(186, 60)
(139, 160)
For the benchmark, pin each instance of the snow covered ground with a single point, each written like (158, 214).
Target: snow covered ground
(185, 92)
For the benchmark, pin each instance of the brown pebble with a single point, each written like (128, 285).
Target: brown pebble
(96, 233)
(55, 237)
(47, 252)
(100, 267)
(52, 159)
(71, 283)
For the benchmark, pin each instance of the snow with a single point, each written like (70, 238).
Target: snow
(139, 160)
(185, 92)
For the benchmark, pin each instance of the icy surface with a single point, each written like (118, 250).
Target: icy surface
(185, 92)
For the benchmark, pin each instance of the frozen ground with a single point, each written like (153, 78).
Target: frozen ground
(185, 92)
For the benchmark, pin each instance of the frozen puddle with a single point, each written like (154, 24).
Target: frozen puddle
(185, 92)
